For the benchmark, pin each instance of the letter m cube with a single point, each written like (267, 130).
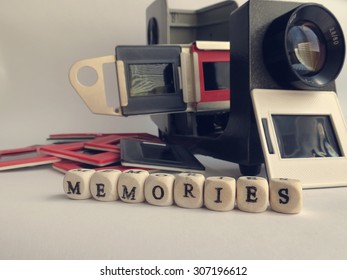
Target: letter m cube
(76, 183)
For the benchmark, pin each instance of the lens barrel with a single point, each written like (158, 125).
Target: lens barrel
(304, 48)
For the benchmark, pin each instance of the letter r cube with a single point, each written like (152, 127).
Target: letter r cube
(76, 183)
(188, 190)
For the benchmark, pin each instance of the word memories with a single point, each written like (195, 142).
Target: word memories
(187, 190)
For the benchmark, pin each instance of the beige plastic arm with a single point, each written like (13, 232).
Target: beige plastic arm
(95, 95)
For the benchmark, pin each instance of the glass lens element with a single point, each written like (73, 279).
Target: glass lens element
(306, 48)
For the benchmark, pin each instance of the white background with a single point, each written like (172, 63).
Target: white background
(40, 40)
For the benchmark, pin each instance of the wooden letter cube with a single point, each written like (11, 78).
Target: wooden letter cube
(104, 185)
(286, 196)
(76, 183)
(252, 194)
(131, 185)
(188, 190)
(159, 189)
(220, 193)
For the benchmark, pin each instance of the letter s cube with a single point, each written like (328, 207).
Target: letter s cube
(286, 195)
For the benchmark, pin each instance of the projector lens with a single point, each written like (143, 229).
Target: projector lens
(305, 47)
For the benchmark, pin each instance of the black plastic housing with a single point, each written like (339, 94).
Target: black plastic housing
(238, 139)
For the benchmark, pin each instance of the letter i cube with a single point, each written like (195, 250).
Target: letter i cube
(188, 190)
(286, 195)
(131, 185)
(76, 183)
(220, 193)
(104, 185)
(252, 194)
(159, 189)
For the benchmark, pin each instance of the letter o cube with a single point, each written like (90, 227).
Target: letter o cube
(188, 190)
(104, 185)
(131, 185)
(76, 183)
(252, 194)
(286, 195)
(220, 193)
(159, 189)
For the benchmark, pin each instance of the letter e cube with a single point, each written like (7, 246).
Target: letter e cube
(104, 185)
(252, 194)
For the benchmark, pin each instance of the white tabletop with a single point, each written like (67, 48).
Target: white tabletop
(39, 222)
